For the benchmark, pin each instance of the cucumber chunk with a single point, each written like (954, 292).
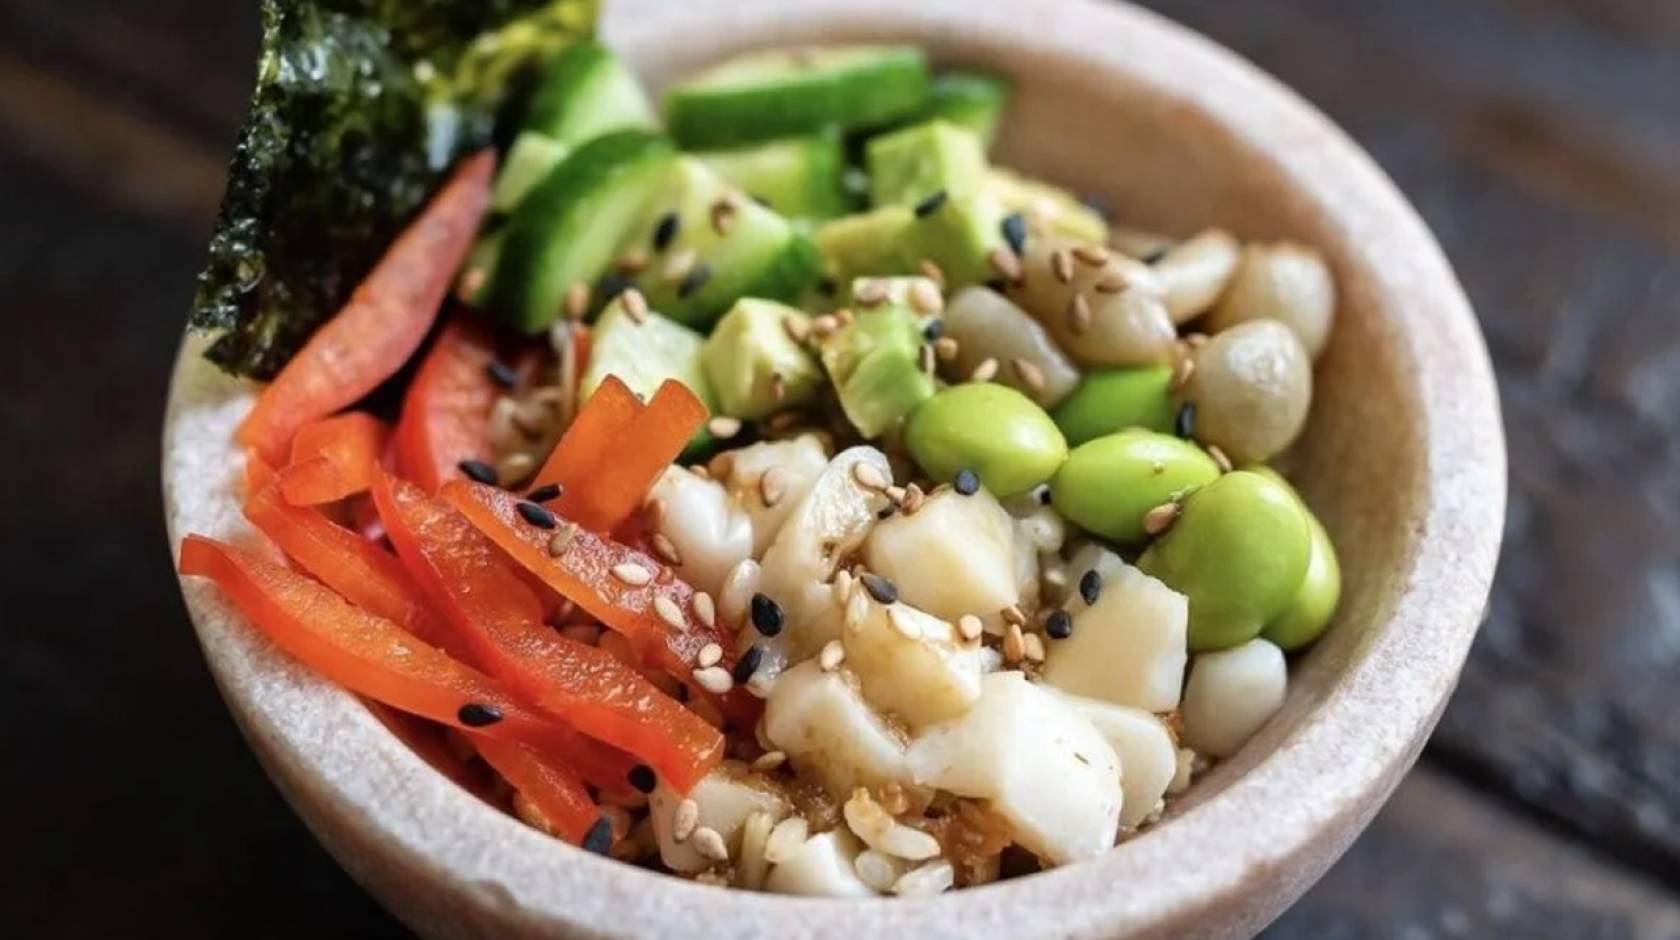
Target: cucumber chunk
(586, 92)
(925, 163)
(643, 355)
(800, 177)
(725, 247)
(973, 100)
(782, 92)
(958, 237)
(531, 158)
(875, 365)
(567, 229)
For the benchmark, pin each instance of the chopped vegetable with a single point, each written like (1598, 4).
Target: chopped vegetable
(446, 414)
(552, 787)
(385, 320)
(590, 440)
(334, 458)
(495, 612)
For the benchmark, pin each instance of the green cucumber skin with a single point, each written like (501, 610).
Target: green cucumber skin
(584, 93)
(562, 215)
(883, 92)
(975, 100)
(800, 177)
(784, 277)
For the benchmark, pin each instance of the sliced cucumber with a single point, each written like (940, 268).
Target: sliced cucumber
(644, 352)
(924, 164)
(875, 365)
(725, 247)
(569, 226)
(755, 365)
(531, 158)
(586, 92)
(800, 177)
(974, 100)
(782, 92)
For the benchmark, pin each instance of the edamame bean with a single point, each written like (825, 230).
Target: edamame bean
(1238, 551)
(1281, 281)
(1314, 604)
(1108, 485)
(1252, 387)
(1115, 400)
(991, 429)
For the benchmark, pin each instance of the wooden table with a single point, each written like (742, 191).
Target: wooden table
(1542, 141)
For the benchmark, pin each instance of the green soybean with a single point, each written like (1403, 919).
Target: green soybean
(1116, 399)
(993, 430)
(1108, 485)
(1239, 551)
(1314, 604)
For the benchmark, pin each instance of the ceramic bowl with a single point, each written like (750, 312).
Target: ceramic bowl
(1403, 459)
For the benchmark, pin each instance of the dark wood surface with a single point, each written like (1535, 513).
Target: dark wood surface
(1541, 139)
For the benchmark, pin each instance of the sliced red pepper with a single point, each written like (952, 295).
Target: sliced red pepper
(426, 740)
(446, 413)
(486, 598)
(367, 575)
(600, 428)
(333, 459)
(589, 572)
(552, 787)
(365, 653)
(385, 320)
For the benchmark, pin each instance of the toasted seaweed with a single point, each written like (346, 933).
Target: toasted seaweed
(360, 106)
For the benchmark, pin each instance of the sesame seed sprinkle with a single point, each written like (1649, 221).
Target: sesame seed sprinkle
(714, 679)
(1078, 314)
(747, 665)
(1014, 644)
(632, 574)
(1059, 626)
(599, 839)
(769, 761)
(1094, 255)
(1006, 263)
(635, 305)
(966, 482)
(1032, 647)
(869, 476)
(478, 715)
(501, 373)
(537, 516)
(985, 371)
(924, 297)
(577, 300)
(1061, 265)
(709, 843)
(880, 588)
(705, 609)
(871, 294)
(547, 493)
(678, 265)
(931, 270)
(562, 540)
(1184, 422)
(1160, 519)
(1090, 586)
(946, 348)
(1182, 370)
(478, 471)
(1220, 458)
(832, 655)
(1012, 614)
(1014, 228)
(932, 203)
(1030, 375)
(670, 613)
(772, 486)
(970, 627)
(1112, 283)
(797, 329)
(767, 615)
(666, 231)
(710, 655)
(683, 821)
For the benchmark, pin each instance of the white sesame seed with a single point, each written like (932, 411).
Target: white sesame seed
(709, 843)
(832, 655)
(714, 679)
(772, 486)
(635, 305)
(710, 655)
(1061, 265)
(633, 263)
(788, 835)
(1094, 255)
(869, 476)
(769, 761)
(669, 612)
(472, 282)
(1160, 519)
(926, 359)
(577, 300)
(1182, 370)
(931, 270)
(632, 574)
(561, 540)
(933, 878)
(946, 348)
(1078, 314)
(969, 626)
(1005, 263)
(683, 821)
(665, 549)
(876, 870)
(1030, 375)
(1014, 644)
(1012, 614)
(678, 265)
(1220, 458)
(825, 324)
(724, 426)
(985, 371)
(871, 294)
(705, 609)
(925, 297)
(796, 328)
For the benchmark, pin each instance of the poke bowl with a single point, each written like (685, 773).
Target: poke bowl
(1201, 164)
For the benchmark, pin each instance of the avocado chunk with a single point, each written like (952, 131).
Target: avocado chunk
(643, 355)
(751, 353)
(1046, 208)
(924, 163)
(865, 243)
(958, 236)
(875, 365)
(712, 245)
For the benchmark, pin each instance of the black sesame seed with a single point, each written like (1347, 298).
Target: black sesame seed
(755, 197)
(478, 471)
(1059, 626)
(1014, 228)
(666, 231)
(767, 615)
(931, 204)
(967, 482)
(642, 778)
(611, 285)
(998, 285)
(537, 516)
(546, 494)
(1090, 586)
(599, 838)
(695, 279)
(1154, 256)
(935, 328)
(501, 373)
(827, 287)
(888, 512)
(1184, 422)
(879, 588)
(1044, 495)
(479, 715)
(747, 664)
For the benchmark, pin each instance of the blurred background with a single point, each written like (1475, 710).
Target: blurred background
(1541, 140)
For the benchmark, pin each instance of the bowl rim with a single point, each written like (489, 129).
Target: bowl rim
(450, 865)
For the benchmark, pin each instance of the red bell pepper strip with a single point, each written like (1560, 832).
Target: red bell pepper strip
(446, 413)
(426, 741)
(584, 572)
(366, 654)
(644, 451)
(486, 598)
(600, 428)
(552, 787)
(333, 459)
(385, 320)
(368, 576)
